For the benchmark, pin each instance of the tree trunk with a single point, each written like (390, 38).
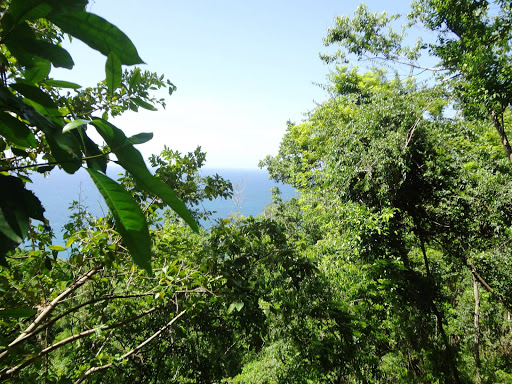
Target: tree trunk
(439, 318)
(500, 128)
(476, 342)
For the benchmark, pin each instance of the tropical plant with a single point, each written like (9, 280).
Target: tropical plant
(41, 128)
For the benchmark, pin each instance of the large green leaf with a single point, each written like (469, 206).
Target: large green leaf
(144, 104)
(61, 84)
(96, 159)
(17, 313)
(64, 147)
(98, 34)
(75, 124)
(24, 45)
(16, 132)
(140, 138)
(132, 161)
(114, 72)
(129, 219)
(17, 205)
(39, 71)
(21, 10)
(35, 94)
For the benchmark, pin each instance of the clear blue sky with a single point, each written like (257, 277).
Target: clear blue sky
(242, 68)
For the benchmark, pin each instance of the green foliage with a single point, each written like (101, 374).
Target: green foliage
(391, 208)
(39, 123)
(392, 264)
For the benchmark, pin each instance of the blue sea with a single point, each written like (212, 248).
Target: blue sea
(58, 190)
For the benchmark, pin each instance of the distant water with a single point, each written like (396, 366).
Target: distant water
(59, 190)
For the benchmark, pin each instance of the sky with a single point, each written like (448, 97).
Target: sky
(242, 69)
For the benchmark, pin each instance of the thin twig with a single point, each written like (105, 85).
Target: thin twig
(51, 306)
(133, 351)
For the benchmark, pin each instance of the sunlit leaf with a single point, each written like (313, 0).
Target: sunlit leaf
(135, 78)
(57, 248)
(38, 72)
(74, 124)
(98, 34)
(143, 104)
(114, 72)
(140, 138)
(129, 219)
(236, 305)
(61, 84)
(132, 161)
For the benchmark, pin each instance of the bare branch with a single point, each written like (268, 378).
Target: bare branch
(10, 372)
(48, 309)
(133, 351)
(92, 301)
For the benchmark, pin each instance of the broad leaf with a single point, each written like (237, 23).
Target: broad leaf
(38, 72)
(21, 10)
(98, 34)
(131, 160)
(96, 159)
(61, 84)
(140, 138)
(74, 124)
(17, 205)
(16, 131)
(35, 94)
(143, 104)
(129, 219)
(6, 228)
(114, 72)
(24, 45)
(17, 313)
(58, 248)
(64, 147)
(236, 305)
(45, 168)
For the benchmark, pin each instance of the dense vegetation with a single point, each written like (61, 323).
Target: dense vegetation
(392, 264)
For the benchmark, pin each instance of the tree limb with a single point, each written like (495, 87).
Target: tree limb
(10, 372)
(134, 350)
(48, 309)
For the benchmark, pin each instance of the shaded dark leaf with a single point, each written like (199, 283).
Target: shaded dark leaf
(16, 131)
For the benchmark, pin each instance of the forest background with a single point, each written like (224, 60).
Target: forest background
(391, 265)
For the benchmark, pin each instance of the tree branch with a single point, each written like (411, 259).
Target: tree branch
(92, 301)
(48, 310)
(133, 351)
(10, 372)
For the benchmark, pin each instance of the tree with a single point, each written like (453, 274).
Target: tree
(400, 205)
(79, 317)
(38, 123)
(471, 45)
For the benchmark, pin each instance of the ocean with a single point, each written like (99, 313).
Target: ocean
(58, 190)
